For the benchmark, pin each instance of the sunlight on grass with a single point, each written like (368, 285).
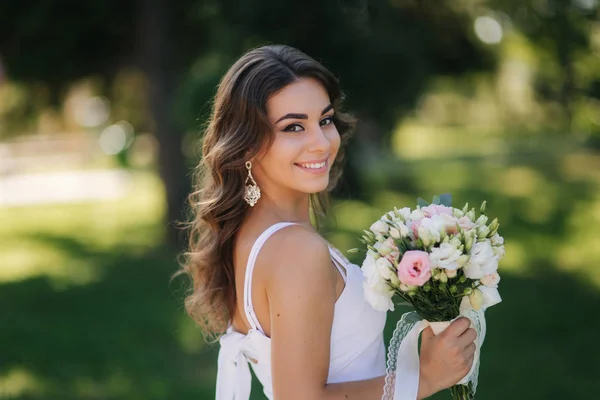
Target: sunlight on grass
(414, 141)
(520, 182)
(30, 236)
(19, 382)
(27, 258)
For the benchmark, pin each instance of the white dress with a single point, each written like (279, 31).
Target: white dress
(357, 347)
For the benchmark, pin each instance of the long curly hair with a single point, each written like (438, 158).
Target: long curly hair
(237, 130)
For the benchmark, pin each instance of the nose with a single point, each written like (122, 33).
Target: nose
(318, 141)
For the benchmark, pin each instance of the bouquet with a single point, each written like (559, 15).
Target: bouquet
(441, 260)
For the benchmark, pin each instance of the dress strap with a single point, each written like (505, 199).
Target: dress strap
(248, 307)
(339, 262)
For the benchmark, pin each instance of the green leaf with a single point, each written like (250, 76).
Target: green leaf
(446, 199)
(436, 199)
(422, 203)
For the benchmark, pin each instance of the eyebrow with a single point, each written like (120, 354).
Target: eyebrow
(302, 116)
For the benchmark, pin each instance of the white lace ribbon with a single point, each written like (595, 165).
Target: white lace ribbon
(233, 377)
(402, 376)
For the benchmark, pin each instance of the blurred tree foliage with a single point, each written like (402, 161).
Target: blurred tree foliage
(384, 51)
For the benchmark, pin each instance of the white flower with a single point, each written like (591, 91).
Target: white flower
(497, 240)
(384, 268)
(369, 270)
(430, 230)
(417, 214)
(379, 296)
(399, 230)
(379, 227)
(491, 280)
(405, 213)
(446, 256)
(499, 252)
(483, 261)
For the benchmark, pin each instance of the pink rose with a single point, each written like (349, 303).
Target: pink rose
(414, 268)
(436, 209)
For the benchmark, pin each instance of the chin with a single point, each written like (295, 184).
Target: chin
(315, 187)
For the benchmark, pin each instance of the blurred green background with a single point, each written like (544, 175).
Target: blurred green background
(101, 109)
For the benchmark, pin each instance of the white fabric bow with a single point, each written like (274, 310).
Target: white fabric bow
(233, 377)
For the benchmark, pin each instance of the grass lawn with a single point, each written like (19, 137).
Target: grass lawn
(87, 310)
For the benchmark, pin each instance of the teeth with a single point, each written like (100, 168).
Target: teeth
(314, 166)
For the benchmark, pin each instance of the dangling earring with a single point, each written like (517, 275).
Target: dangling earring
(252, 192)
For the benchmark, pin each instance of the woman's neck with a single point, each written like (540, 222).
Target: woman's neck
(289, 209)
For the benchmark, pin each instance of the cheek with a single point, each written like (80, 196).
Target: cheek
(335, 140)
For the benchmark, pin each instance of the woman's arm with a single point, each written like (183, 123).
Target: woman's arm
(301, 291)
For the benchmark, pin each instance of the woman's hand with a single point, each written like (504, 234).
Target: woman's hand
(447, 357)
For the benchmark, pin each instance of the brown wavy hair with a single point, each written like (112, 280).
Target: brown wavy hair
(237, 130)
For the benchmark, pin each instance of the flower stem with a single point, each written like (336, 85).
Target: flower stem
(462, 392)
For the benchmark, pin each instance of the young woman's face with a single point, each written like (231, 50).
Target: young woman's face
(306, 140)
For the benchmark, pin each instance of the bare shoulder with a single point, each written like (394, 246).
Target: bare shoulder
(296, 255)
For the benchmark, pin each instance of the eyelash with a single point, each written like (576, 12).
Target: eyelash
(288, 128)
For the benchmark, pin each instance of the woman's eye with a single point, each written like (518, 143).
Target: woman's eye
(327, 121)
(293, 128)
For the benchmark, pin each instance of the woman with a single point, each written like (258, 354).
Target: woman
(291, 305)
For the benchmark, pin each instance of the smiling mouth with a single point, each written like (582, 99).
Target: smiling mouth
(315, 166)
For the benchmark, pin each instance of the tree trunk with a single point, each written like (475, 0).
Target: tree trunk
(157, 60)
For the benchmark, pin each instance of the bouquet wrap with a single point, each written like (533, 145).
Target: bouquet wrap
(403, 354)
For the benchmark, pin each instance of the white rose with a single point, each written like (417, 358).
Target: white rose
(491, 280)
(497, 240)
(379, 228)
(379, 296)
(483, 261)
(384, 268)
(417, 214)
(430, 229)
(369, 270)
(405, 213)
(400, 230)
(445, 256)
(499, 252)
